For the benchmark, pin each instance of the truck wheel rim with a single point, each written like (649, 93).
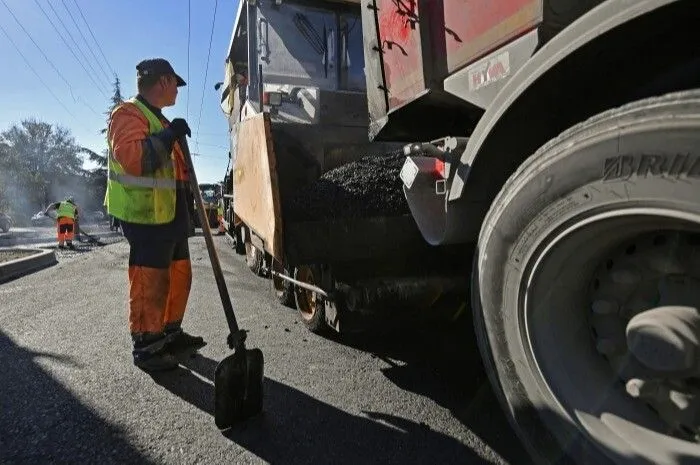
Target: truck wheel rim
(604, 270)
(307, 299)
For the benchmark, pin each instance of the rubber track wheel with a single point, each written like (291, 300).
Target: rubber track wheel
(254, 259)
(317, 323)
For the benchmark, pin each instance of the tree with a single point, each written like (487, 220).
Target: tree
(40, 163)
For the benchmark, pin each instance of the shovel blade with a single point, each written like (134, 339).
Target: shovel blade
(238, 383)
(253, 403)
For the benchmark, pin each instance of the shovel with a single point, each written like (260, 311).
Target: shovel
(238, 379)
(91, 239)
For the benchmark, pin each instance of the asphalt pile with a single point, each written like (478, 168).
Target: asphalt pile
(368, 187)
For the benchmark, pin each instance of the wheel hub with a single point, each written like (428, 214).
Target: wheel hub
(666, 339)
(645, 321)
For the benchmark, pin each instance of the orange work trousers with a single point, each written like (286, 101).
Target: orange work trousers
(160, 278)
(65, 229)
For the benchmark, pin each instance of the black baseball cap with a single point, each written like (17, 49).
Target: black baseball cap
(158, 67)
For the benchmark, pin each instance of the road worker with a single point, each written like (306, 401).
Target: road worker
(148, 191)
(66, 221)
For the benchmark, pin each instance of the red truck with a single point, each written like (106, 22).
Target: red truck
(558, 140)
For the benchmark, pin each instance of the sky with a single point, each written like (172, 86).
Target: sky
(74, 83)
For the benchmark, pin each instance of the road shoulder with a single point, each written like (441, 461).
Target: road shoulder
(39, 259)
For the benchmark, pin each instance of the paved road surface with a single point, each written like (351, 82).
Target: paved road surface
(70, 393)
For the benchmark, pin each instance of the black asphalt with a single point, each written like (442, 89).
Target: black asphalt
(70, 393)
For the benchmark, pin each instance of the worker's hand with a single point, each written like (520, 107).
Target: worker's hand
(180, 128)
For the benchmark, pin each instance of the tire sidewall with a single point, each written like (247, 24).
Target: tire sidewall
(565, 182)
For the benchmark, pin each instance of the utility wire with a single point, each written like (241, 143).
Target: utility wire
(74, 41)
(29, 65)
(206, 71)
(94, 38)
(214, 145)
(189, 30)
(46, 57)
(80, 31)
(97, 86)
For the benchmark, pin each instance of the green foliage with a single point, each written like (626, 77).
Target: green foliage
(41, 163)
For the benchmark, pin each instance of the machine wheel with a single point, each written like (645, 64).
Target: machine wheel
(254, 259)
(586, 289)
(310, 305)
(284, 290)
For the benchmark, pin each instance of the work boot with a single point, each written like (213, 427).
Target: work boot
(71, 246)
(154, 361)
(179, 340)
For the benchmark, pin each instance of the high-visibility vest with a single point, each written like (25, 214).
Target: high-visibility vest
(141, 199)
(66, 210)
(220, 209)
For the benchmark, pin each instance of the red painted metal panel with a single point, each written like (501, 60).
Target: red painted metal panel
(399, 33)
(474, 28)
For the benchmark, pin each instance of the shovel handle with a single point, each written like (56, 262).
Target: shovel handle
(213, 257)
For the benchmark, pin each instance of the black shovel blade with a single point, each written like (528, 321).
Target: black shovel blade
(253, 403)
(229, 390)
(238, 383)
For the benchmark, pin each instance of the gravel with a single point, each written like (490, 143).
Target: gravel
(8, 255)
(368, 187)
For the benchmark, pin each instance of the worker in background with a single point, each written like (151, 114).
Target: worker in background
(148, 191)
(220, 215)
(66, 220)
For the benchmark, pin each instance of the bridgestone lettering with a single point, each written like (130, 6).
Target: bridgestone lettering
(677, 166)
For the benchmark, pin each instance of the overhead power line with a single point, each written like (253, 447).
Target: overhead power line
(206, 71)
(94, 38)
(214, 145)
(80, 31)
(29, 65)
(97, 86)
(70, 88)
(75, 42)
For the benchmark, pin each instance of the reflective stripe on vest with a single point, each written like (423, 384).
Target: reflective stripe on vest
(66, 210)
(141, 199)
(142, 181)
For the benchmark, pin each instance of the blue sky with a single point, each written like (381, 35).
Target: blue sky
(127, 31)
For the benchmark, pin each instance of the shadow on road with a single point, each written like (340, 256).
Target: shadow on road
(297, 428)
(442, 362)
(42, 422)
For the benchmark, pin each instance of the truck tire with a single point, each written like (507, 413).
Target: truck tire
(597, 226)
(311, 307)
